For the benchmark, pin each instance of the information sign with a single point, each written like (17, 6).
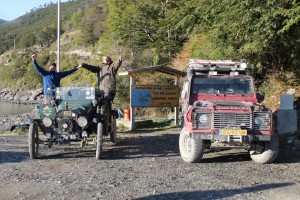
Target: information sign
(155, 96)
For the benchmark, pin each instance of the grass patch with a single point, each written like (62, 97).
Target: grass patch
(122, 128)
(18, 132)
(163, 123)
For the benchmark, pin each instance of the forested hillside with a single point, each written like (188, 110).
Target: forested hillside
(81, 27)
(39, 26)
(145, 32)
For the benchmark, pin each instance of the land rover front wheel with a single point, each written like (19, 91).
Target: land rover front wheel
(269, 151)
(191, 150)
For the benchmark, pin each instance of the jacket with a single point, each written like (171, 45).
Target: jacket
(106, 74)
(51, 79)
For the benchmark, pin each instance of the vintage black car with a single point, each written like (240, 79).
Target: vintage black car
(75, 114)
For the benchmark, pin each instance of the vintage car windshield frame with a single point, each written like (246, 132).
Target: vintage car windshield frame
(75, 93)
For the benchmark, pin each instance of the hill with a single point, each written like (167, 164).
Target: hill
(39, 26)
(2, 21)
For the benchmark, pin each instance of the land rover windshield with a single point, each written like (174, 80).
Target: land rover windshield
(223, 85)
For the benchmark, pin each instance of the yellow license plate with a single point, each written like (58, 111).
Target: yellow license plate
(233, 132)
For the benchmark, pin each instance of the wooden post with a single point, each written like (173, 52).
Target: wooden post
(132, 127)
(176, 108)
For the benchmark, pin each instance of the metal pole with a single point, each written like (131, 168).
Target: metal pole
(132, 125)
(58, 35)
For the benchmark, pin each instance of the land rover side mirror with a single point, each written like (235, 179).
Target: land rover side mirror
(260, 97)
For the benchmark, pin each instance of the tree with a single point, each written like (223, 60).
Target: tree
(28, 40)
(46, 36)
(153, 25)
(76, 18)
(87, 38)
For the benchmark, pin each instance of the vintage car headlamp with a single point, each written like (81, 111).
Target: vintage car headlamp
(258, 120)
(47, 122)
(203, 119)
(82, 121)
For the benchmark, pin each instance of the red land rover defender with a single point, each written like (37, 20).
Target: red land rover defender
(220, 106)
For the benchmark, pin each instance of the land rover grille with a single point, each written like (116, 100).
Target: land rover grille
(228, 120)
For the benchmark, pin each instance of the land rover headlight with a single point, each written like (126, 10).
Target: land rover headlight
(203, 119)
(266, 115)
(243, 65)
(258, 120)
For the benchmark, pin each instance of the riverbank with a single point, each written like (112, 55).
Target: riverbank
(21, 96)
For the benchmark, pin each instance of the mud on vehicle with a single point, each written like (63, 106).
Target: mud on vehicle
(220, 106)
(74, 115)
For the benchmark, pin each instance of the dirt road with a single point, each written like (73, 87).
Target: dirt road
(143, 165)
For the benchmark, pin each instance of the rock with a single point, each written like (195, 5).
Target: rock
(21, 96)
(35, 94)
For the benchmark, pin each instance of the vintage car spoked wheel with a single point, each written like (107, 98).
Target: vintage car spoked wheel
(33, 140)
(191, 150)
(99, 140)
(113, 132)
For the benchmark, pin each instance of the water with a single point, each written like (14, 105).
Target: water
(14, 109)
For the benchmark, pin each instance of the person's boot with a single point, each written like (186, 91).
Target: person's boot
(109, 124)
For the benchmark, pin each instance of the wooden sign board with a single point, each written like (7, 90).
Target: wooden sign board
(154, 96)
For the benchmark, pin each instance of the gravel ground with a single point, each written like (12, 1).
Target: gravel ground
(142, 165)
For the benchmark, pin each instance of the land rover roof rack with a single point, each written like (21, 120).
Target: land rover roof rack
(215, 67)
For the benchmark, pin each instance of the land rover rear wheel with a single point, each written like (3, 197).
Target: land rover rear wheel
(191, 150)
(270, 151)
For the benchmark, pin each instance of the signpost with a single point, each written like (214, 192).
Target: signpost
(155, 96)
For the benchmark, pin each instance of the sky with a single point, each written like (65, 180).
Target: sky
(12, 9)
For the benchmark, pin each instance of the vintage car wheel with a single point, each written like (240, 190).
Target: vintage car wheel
(113, 132)
(99, 140)
(270, 153)
(33, 140)
(191, 150)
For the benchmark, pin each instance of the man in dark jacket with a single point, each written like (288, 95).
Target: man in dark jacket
(51, 78)
(106, 73)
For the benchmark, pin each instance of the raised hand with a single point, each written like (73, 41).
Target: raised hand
(33, 56)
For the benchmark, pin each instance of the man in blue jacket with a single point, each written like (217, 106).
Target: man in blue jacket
(51, 78)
